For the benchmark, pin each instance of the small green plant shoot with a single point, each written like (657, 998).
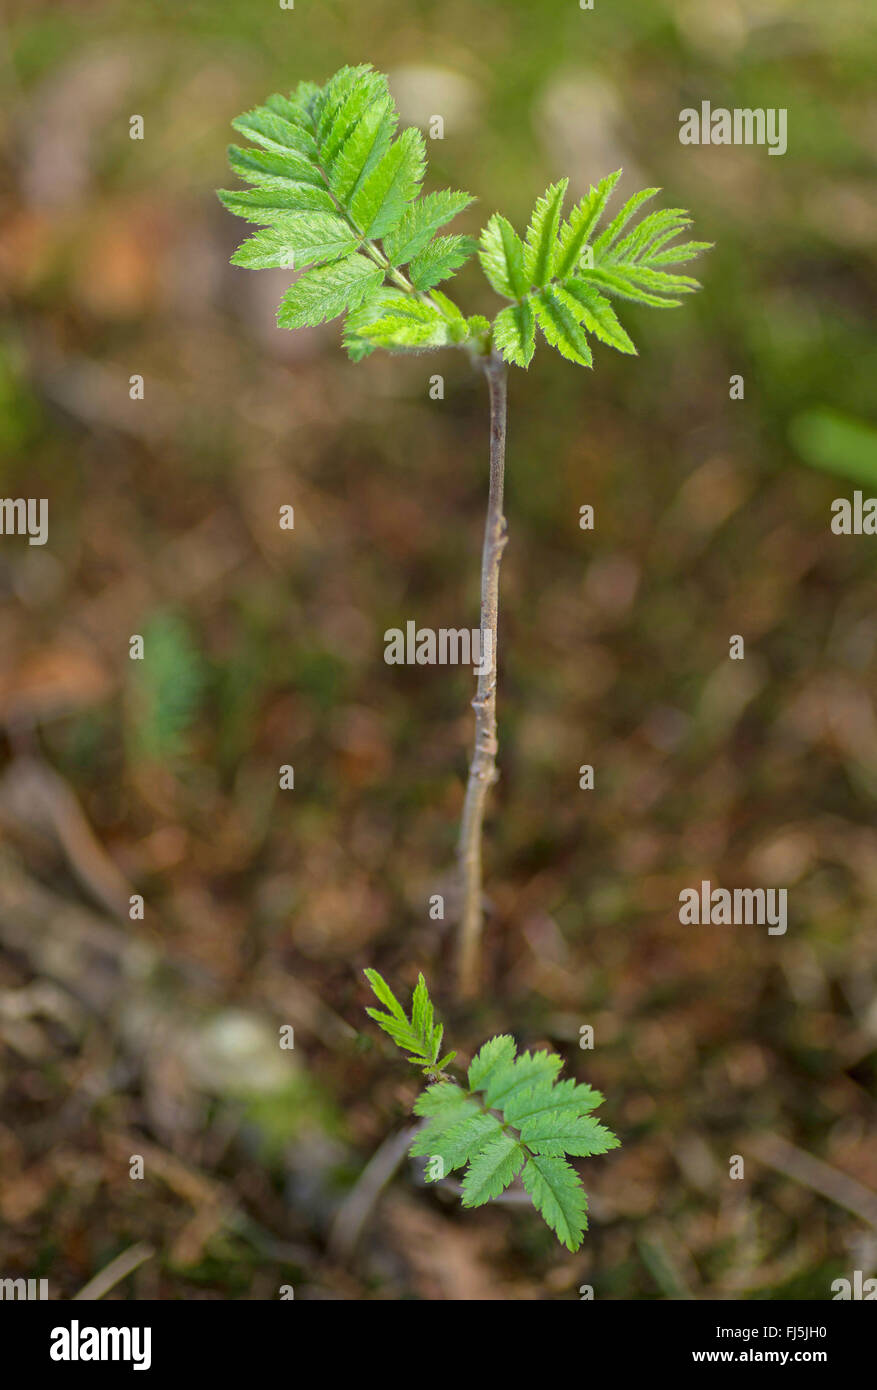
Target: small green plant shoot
(511, 1117)
(337, 193)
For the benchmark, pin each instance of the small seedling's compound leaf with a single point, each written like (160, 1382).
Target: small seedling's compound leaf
(560, 278)
(514, 1118)
(332, 180)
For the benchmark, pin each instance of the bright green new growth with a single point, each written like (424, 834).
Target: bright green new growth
(513, 1117)
(338, 195)
(558, 278)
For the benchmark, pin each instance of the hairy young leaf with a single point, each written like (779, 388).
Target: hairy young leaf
(561, 279)
(420, 221)
(324, 293)
(295, 240)
(384, 993)
(381, 200)
(502, 258)
(330, 178)
(440, 259)
(561, 328)
(595, 313)
(514, 332)
(539, 256)
(576, 231)
(398, 321)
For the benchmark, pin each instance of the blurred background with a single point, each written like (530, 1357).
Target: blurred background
(158, 1037)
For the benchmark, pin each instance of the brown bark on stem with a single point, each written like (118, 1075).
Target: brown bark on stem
(482, 770)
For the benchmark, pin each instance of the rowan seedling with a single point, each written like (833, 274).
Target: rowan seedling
(509, 1117)
(336, 190)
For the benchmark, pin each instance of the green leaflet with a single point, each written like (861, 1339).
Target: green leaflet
(378, 205)
(558, 1132)
(502, 258)
(514, 332)
(560, 278)
(512, 1118)
(493, 1059)
(297, 239)
(595, 313)
(563, 1095)
(539, 256)
(328, 291)
(508, 1081)
(576, 231)
(495, 1165)
(458, 1143)
(334, 185)
(420, 221)
(269, 202)
(561, 328)
(398, 321)
(439, 260)
(557, 1194)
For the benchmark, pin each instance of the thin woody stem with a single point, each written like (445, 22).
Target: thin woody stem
(482, 770)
